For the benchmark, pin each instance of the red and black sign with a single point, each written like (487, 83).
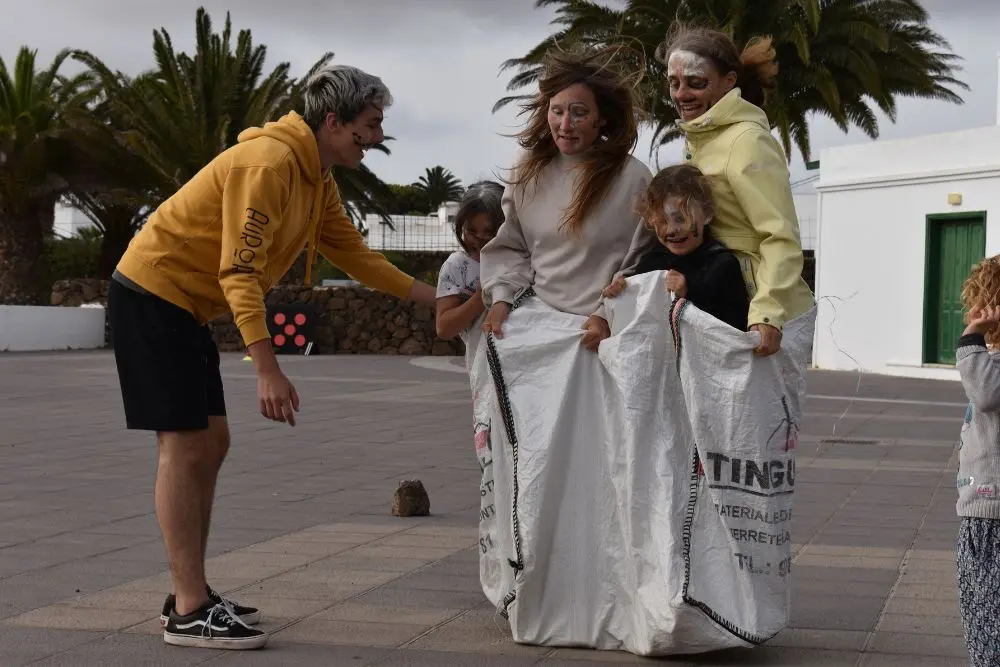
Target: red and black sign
(290, 327)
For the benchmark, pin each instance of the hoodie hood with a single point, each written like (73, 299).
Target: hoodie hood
(292, 130)
(730, 110)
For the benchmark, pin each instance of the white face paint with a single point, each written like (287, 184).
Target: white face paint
(680, 230)
(685, 64)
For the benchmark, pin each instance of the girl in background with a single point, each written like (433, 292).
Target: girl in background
(459, 295)
(978, 503)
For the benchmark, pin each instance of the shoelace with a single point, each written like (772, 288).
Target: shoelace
(225, 616)
(223, 600)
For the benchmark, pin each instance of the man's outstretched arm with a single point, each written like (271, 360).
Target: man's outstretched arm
(345, 247)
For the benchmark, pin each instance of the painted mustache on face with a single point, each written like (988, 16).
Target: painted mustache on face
(360, 142)
(684, 235)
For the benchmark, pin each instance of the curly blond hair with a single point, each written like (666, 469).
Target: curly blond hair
(684, 181)
(981, 289)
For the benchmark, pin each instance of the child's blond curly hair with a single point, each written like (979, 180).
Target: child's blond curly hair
(981, 289)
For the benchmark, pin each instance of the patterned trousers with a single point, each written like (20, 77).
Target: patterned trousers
(979, 588)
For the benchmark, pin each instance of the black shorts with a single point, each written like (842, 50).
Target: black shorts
(168, 364)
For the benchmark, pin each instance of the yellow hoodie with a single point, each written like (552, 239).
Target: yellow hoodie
(231, 232)
(755, 216)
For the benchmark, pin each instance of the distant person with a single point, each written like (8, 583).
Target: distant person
(678, 206)
(569, 210)
(718, 93)
(460, 305)
(218, 245)
(979, 466)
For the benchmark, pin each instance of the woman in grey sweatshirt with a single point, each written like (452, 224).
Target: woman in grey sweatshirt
(979, 466)
(570, 220)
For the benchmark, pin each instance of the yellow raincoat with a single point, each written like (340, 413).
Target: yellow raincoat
(732, 144)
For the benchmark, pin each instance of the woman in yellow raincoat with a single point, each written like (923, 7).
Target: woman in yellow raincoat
(718, 93)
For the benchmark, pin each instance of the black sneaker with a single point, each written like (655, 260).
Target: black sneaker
(212, 626)
(249, 615)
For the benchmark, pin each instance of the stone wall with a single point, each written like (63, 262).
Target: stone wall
(348, 320)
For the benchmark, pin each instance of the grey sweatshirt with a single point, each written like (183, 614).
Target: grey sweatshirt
(568, 272)
(979, 443)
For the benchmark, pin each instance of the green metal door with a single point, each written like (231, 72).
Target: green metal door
(954, 244)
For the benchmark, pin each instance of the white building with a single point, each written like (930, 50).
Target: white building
(69, 221)
(900, 225)
(806, 201)
(408, 233)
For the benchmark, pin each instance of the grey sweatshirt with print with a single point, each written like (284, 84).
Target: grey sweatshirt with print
(979, 443)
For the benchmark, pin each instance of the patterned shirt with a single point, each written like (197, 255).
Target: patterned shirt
(459, 276)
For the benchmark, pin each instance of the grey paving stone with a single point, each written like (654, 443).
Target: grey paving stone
(23, 646)
(280, 653)
(411, 658)
(76, 511)
(129, 650)
(776, 656)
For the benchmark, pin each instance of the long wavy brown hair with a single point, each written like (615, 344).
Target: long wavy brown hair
(613, 91)
(981, 289)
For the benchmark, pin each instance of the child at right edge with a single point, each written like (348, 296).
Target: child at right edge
(979, 466)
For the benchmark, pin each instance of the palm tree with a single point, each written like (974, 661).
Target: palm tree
(438, 185)
(838, 58)
(36, 157)
(177, 117)
(180, 115)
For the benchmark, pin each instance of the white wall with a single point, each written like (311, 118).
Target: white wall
(35, 328)
(69, 221)
(806, 209)
(874, 201)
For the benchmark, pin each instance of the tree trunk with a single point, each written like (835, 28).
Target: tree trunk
(296, 275)
(114, 242)
(22, 261)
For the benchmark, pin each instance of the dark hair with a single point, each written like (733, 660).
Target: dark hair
(481, 197)
(616, 106)
(756, 67)
(682, 180)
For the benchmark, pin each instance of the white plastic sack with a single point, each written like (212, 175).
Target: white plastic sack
(639, 499)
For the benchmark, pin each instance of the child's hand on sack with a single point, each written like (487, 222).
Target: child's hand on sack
(982, 320)
(595, 329)
(616, 287)
(676, 283)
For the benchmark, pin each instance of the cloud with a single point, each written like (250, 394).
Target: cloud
(441, 58)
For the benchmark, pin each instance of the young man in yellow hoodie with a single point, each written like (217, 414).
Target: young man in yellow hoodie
(219, 244)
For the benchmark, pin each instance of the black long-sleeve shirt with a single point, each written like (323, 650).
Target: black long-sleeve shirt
(714, 279)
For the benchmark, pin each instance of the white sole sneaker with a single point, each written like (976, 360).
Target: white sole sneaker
(247, 644)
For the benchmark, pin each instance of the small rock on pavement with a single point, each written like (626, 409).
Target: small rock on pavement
(411, 499)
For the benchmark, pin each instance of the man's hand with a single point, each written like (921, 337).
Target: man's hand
(423, 294)
(495, 318)
(276, 396)
(676, 283)
(770, 340)
(595, 329)
(616, 287)
(982, 320)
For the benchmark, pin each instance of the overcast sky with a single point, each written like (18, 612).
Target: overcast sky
(441, 59)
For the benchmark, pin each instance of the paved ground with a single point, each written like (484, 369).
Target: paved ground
(302, 524)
